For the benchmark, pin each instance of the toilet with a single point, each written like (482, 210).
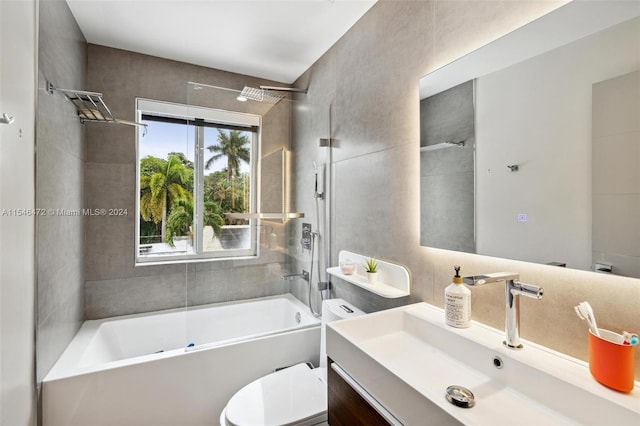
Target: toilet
(296, 395)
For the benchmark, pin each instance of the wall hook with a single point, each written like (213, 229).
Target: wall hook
(513, 167)
(6, 118)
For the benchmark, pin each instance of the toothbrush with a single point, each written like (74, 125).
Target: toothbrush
(585, 312)
(630, 338)
(591, 318)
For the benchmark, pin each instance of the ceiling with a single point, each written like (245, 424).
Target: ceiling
(272, 39)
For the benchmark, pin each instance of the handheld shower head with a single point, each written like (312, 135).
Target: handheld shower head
(317, 194)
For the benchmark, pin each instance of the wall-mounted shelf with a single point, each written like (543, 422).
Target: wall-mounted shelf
(393, 279)
(90, 106)
(266, 216)
(446, 144)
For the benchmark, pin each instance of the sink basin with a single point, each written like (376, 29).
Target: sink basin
(407, 357)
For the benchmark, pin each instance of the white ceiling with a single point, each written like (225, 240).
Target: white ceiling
(271, 39)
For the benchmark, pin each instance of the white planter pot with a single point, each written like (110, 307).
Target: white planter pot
(372, 277)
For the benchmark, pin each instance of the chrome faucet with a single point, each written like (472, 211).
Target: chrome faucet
(513, 289)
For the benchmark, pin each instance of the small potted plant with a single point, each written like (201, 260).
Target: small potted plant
(371, 268)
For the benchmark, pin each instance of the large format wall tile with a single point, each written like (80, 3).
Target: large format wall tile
(60, 154)
(370, 80)
(115, 286)
(133, 295)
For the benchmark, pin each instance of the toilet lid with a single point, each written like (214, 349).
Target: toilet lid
(285, 397)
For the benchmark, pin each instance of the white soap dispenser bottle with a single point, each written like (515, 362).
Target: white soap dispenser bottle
(457, 302)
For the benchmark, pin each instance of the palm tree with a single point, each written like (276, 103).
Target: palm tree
(162, 182)
(232, 197)
(180, 219)
(235, 146)
(183, 159)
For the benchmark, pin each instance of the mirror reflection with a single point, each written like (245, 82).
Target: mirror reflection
(533, 153)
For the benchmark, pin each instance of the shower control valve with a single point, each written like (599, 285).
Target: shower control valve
(305, 241)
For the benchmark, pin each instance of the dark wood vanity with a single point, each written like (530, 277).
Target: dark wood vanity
(346, 406)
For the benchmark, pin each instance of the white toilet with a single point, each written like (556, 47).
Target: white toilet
(293, 396)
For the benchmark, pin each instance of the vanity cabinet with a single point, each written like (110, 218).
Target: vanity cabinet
(346, 406)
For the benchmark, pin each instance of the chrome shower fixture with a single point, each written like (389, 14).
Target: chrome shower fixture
(267, 94)
(318, 192)
(259, 95)
(284, 89)
(6, 118)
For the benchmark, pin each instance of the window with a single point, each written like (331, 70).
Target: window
(194, 165)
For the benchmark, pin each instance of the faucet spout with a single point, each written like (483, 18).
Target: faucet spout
(513, 290)
(304, 275)
(476, 280)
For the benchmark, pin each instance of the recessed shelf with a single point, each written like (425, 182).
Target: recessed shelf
(393, 279)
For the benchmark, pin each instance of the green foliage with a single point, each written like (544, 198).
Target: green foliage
(213, 216)
(167, 186)
(162, 183)
(180, 219)
(149, 232)
(234, 146)
(150, 165)
(231, 195)
(183, 159)
(371, 265)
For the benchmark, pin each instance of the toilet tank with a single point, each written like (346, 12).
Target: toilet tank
(333, 310)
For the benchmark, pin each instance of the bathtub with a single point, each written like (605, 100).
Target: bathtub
(175, 367)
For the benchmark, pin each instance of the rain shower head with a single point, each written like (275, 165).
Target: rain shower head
(260, 95)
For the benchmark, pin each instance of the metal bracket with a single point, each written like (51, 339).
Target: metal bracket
(91, 107)
(6, 118)
(603, 267)
(324, 285)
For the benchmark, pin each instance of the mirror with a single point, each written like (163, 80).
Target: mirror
(530, 146)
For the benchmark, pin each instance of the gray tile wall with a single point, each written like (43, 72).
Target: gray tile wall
(370, 80)
(60, 159)
(114, 286)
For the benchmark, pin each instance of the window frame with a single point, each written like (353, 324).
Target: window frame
(172, 110)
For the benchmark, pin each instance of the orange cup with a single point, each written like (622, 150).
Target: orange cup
(610, 362)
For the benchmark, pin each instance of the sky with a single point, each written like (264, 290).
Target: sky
(163, 138)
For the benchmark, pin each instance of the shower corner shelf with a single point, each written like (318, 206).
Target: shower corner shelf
(393, 279)
(90, 106)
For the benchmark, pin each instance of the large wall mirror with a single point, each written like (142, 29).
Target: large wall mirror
(530, 146)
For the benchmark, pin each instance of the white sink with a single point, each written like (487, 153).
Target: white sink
(407, 357)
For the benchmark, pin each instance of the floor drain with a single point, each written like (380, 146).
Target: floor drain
(460, 396)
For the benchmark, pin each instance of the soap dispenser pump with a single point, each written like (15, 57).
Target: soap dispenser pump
(457, 302)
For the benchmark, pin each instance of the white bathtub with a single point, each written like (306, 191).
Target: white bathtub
(137, 370)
